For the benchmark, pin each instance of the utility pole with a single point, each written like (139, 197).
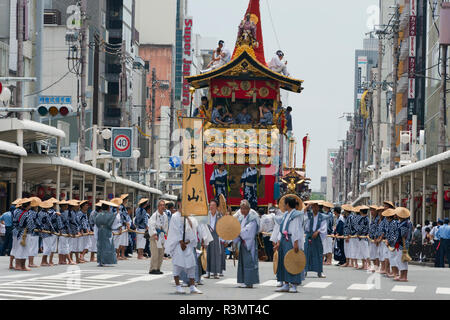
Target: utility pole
(152, 142)
(20, 62)
(82, 107)
(39, 51)
(378, 112)
(123, 97)
(443, 106)
(393, 107)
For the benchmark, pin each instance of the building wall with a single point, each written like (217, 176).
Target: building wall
(156, 21)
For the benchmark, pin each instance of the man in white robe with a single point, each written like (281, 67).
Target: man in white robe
(221, 57)
(182, 250)
(278, 65)
(158, 227)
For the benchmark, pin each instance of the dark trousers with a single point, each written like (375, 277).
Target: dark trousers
(268, 246)
(446, 246)
(147, 248)
(439, 258)
(8, 242)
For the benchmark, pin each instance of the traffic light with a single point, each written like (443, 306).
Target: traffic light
(53, 111)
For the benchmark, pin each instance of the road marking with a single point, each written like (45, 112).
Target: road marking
(408, 289)
(8, 295)
(272, 296)
(356, 298)
(334, 297)
(361, 286)
(317, 285)
(104, 276)
(443, 291)
(23, 291)
(150, 277)
(228, 281)
(14, 276)
(38, 287)
(270, 283)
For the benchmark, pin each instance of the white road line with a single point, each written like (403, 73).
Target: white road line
(16, 296)
(228, 281)
(361, 286)
(334, 297)
(407, 289)
(14, 276)
(317, 285)
(104, 276)
(39, 288)
(23, 291)
(443, 290)
(356, 298)
(52, 286)
(272, 296)
(137, 279)
(65, 283)
(270, 283)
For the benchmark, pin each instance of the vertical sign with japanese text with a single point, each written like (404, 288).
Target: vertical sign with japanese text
(194, 191)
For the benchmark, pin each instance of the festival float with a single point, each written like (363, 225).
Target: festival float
(246, 81)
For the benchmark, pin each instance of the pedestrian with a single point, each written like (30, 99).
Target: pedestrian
(374, 246)
(118, 226)
(363, 242)
(346, 233)
(267, 227)
(339, 251)
(444, 236)
(159, 225)
(56, 226)
(20, 250)
(315, 232)
(249, 185)
(104, 221)
(126, 223)
(181, 245)
(289, 236)
(33, 236)
(82, 218)
(141, 223)
(247, 271)
(215, 249)
(6, 221)
(402, 243)
(147, 252)
(131, 235)
(219, 181)
(74, 230)
(64, 237)
(391, 237)
(439, 260)
(48, 239)
(93, 231)
(328, 241)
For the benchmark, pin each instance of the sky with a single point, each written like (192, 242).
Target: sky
(319, 39)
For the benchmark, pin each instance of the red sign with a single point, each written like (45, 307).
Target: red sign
(244, 89)
(122, 143)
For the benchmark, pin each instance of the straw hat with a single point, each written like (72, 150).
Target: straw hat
(388, 213)
(63, 202)
(16, 202)
(83, 202)
(53, 200)
(142, 201)
(204, 259)
(327, 205)
(374, 207)
(222, 204)
(402, 212)
(363, 208)
(117, 201)
(275, 262)
(98, 204)
(228, 228)
(46, 204)
(283, 207)
(295, 262)
(35, 201)
(389, 203)
(124, 196)
(347, 207)
(380, 208)
(111, 204)
(73, 203)
(23, 201)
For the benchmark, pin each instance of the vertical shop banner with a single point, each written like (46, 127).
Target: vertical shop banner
(194, 191)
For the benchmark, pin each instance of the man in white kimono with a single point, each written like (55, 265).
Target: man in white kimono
(181, 244)
(277, 65)
(248, 273)
(158, 227)
(221, 57)
(289, 235)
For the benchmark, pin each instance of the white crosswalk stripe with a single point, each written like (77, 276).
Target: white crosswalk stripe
(64, 284)
(270, 283)
(407, 289)
(361, 286)
(443, 290)
(317, 285)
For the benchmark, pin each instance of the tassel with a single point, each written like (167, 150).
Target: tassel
(254, 96)
(233, 96)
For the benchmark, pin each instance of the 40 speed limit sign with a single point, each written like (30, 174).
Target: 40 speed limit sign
(122, 142)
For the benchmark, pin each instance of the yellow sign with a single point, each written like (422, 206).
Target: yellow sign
(194, 192)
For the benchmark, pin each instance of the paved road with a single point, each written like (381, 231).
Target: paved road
(130, 280)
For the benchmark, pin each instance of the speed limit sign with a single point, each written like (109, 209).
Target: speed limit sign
(122, 142)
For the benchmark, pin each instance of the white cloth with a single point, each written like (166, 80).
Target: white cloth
(33, 245)
(322, 229)
(295, 229)
(20, 252)
(49, 245)
(393, 258)
(402, 266)
(63, 245)
(384, 251)
(225, 57)
(116, 224)
(347, 249)
(93, 243)
(267, 223)
(364, 250)
(278, 66)
(374, 251)
(140, 240)
(327, 245)
(184, 259)
(159, 221)
(354, 248)
(123, 239)
(248, 233)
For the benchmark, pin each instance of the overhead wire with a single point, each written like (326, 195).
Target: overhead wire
(273, 25)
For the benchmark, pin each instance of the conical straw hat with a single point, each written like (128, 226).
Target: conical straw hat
(402, 212)
(282, 204)
(295, 262)
(204, 259)
(228, 228)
